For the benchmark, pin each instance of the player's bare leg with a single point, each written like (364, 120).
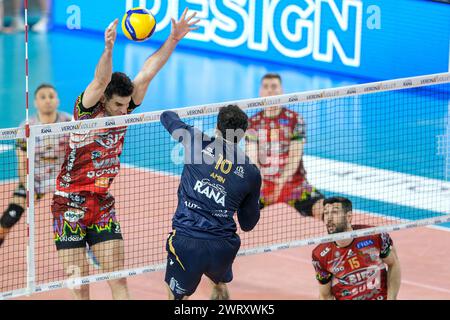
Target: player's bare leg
(75, 266)
(219, 291)
(111, 257)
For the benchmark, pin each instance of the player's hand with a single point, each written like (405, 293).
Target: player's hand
(182, 27)
(111, 34)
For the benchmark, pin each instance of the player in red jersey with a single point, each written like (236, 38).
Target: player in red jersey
(83, 209)
(354, 269)
(49, 155)
(275, 141)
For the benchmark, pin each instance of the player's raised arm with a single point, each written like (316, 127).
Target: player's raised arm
(156, 61)
(103, 72)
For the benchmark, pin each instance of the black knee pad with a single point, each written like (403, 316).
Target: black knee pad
(11, 216)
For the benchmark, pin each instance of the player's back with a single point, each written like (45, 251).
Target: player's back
(218, 179)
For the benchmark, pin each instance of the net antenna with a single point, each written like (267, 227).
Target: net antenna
(30, 142)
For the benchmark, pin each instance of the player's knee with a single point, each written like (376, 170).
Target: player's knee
(11, 216)
(220, 292)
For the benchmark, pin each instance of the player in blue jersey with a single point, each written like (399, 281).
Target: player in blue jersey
(218, 180)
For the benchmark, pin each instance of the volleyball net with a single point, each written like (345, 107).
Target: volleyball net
(384, 145)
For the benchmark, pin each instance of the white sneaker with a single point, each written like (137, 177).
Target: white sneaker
(18, 24)
(41, 26)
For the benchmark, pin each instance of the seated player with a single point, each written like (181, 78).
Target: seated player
(218, 180)
(49, 156)
(275, 141)
(83, 208)
(354, 269)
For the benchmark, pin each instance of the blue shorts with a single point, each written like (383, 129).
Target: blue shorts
(188, 259)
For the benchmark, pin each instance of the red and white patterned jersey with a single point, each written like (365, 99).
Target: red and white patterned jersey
(274, 136)
(93, 158)
(357, 271)
(48, 154)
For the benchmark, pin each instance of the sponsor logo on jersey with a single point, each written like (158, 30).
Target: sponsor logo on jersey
(96, 155)
(73, 215)
(71, 160)
(93, 174)
(364, 243)
(106, 163)
(191, 205)
(338, 269)
(109, 140)
(102, 182)
(67, 178)
(325, 251)
(239, 171)
(211, 190)
(284, 122)
(220, 213)
(72, 238)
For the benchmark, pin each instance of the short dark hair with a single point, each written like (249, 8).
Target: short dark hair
(271, 76)
(120, 85)
(43, 86)
(233, 118)
(346, 203)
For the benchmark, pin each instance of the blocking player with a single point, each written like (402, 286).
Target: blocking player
(49, 155)
(218, 180)
(275, 142)
(83, 209)
(354, 269)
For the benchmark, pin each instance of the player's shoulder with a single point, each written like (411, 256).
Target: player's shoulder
(322, 250)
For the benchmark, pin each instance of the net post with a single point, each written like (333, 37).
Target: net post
(30, 141)
(31, 268)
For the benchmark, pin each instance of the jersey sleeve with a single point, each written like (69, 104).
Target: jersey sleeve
(385, 245)
(82, 113)
(322, 274)
(299, 132)
(248, 213)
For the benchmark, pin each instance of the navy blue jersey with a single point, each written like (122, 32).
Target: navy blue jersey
(218, 180)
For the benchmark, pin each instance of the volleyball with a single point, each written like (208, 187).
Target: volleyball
(138, 24)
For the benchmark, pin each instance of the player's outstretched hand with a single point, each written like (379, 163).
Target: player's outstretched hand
(182, 27)
(111, 34)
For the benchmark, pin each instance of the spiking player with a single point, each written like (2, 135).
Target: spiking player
(49, 155)
(354, 269)
(275, 141)
(218, 180)
(83, 209)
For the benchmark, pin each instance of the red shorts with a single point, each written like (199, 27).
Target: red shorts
(84, 217)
